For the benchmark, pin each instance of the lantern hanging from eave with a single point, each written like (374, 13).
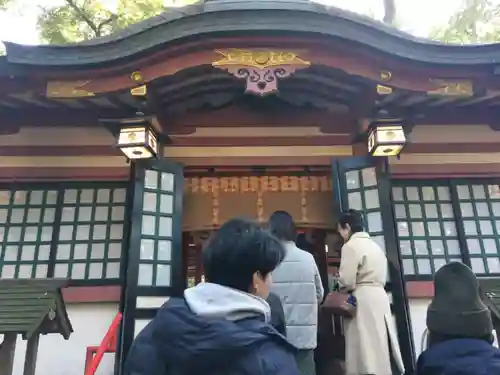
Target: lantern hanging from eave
(138, 140)
(386, 136)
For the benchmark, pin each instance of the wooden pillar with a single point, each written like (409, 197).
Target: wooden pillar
(318, 241)
(31, 355)
(147, 282)
(198, 250)
(186, 240)
(7, 351)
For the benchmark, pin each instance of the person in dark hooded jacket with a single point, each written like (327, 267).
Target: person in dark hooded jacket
(220, 327)
(460, 328)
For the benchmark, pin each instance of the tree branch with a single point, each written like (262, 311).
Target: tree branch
(3, 4)
(84, 16)
(113, 18)
(389, 12)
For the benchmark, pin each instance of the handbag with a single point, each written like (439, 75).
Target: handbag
(339, 303)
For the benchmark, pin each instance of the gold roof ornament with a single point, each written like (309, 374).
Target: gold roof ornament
(260, 68)
(385, 76)
(259, 59)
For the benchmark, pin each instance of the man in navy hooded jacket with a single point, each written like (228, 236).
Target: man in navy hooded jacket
(220, 327)
(460, 327)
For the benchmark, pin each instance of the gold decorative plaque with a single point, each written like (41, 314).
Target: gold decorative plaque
(208, 185)
(445, 87)
(260, 68)
(384, 90)
(139, 91)
(67, 89)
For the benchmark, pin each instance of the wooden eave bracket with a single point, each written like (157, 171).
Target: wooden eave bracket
(494, 124)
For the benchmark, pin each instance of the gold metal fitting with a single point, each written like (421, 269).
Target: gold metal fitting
(385, 75)
(136, 77)
(139, 91)
(384, 90)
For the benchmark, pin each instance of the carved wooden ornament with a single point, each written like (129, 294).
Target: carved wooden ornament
(260, 68)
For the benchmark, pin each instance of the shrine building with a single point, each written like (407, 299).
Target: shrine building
(120, 155)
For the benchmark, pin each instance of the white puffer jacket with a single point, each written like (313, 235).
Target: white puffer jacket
(298, 284)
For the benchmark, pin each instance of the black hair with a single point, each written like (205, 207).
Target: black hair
(354, 219)
(301, 241)
(238, 250)
(437, 338)
(282, 226)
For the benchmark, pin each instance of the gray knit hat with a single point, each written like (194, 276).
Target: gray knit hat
(457, 308)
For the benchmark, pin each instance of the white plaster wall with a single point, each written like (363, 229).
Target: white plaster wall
(139, 325)
(57, 356)
(418, 315)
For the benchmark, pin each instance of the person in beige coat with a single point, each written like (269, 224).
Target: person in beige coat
(363, 272)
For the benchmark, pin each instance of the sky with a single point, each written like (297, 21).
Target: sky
(417, 17)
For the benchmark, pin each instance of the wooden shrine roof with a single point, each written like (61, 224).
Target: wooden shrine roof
(314, 95)
(237, 17)
(349, 56)
(29, 306)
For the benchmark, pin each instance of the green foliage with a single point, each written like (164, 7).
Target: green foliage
(80, 20)
(477, 22)
(4, 3)
(133, 11)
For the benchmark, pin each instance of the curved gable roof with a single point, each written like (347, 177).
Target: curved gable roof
(216, 17)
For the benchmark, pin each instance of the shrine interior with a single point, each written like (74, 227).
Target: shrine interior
(210, 200)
